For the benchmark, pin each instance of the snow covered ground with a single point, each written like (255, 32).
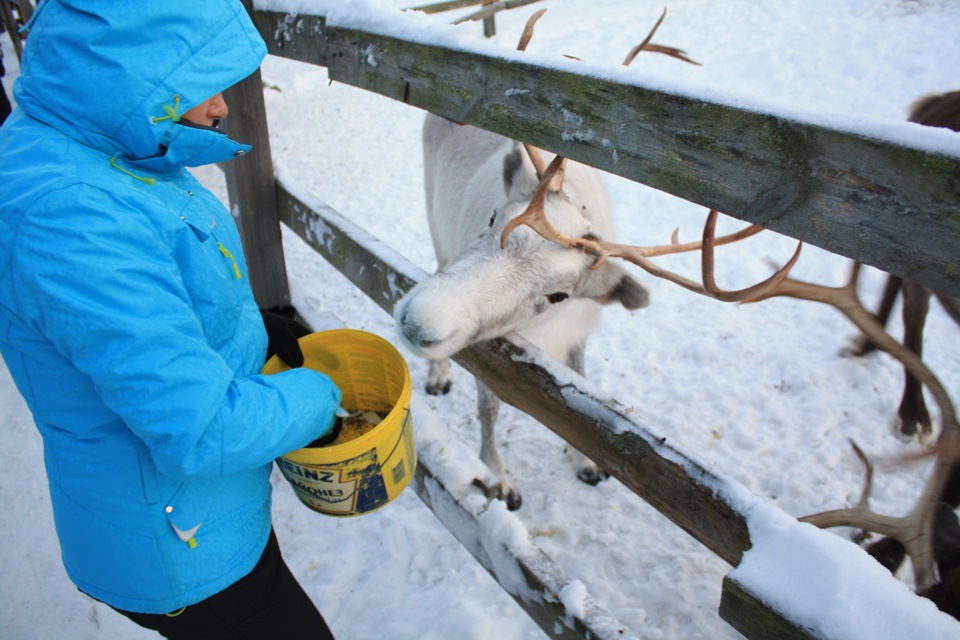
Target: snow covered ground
(758, 392)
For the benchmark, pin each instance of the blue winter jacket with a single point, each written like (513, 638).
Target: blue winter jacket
(126, 318)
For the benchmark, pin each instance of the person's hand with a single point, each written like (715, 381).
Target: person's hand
(282, 334)
(332, 427)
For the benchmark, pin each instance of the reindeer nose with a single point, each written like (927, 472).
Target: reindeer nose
(413, 333)
(417, 339)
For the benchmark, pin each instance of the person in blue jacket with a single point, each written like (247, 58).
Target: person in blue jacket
(129, 327)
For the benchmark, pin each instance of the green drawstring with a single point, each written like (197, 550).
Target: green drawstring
(171, 112)
(174, 614)
(227, 254)
(147, 180)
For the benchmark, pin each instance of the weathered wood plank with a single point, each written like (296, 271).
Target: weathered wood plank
(489, 10)
(296, 37)
(890, 206)
(250, 188)
(367, 262)
(750, 615)
(639, 455)
(885, 205)
(450, 5)
(636, 454)
(541, 594)
(24, 11)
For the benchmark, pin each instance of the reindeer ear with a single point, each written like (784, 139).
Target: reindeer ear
(519, 176)
(610, 283)
(512, 163)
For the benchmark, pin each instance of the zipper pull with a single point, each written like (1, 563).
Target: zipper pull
(227, 254)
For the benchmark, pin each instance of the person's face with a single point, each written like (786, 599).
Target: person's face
(209, 112)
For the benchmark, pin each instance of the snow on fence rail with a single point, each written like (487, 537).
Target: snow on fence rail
(814, 183)
(850, 188)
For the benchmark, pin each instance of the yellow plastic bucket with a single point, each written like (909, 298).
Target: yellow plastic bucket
(360, 475)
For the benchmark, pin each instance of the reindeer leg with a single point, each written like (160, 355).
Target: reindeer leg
(439, 378)
(587, 469)
(488, 408)
(913, 419)
(950, 304)
(862, 345)
(946, 548)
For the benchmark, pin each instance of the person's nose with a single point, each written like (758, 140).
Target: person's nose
(218, 108)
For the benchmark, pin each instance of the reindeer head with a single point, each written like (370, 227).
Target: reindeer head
(487, 291)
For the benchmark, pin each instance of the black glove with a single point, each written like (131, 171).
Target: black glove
(282, 334)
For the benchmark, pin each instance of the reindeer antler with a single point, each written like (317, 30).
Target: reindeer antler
(538, 164)
(646, 45)
(534, 215)
(915, 530)
(528, 30)
(535, 218)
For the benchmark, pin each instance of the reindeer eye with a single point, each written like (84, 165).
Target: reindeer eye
(554, 298)
(492, 218)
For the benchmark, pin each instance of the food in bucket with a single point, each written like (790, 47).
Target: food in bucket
(348, 426)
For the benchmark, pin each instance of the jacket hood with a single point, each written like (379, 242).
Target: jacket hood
(117, 74)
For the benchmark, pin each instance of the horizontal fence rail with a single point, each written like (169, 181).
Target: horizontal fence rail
(890, 206)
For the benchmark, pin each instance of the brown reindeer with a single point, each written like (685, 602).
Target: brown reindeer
(913, 419)
(930, 533)
(942, 110)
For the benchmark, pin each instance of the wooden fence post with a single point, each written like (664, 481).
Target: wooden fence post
(489, 24)
(252, 190)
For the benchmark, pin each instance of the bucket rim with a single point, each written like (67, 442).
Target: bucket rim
(371, 436)
(308, 455)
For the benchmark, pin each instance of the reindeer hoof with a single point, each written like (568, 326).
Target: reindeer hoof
(512, 498)
(439, 390)
(912, 429)
(592, 476)
(858, 347)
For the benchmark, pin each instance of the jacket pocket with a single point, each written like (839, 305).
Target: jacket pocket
(209, 266)
(186, 513)
(148, 473)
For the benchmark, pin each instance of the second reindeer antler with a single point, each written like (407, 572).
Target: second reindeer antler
(914, 530)
(646, 45)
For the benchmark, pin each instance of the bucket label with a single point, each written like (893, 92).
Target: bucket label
(351, 487)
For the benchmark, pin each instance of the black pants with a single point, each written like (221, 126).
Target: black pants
(267, 603)
(4, 104)
(4, 100)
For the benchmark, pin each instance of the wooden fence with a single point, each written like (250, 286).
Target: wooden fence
(14, 14)
(887, 205)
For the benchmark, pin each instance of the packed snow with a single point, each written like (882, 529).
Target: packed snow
(761, 394)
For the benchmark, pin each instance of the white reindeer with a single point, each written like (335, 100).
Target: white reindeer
(476, 183)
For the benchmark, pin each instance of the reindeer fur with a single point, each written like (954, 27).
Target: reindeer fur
(476, 182)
